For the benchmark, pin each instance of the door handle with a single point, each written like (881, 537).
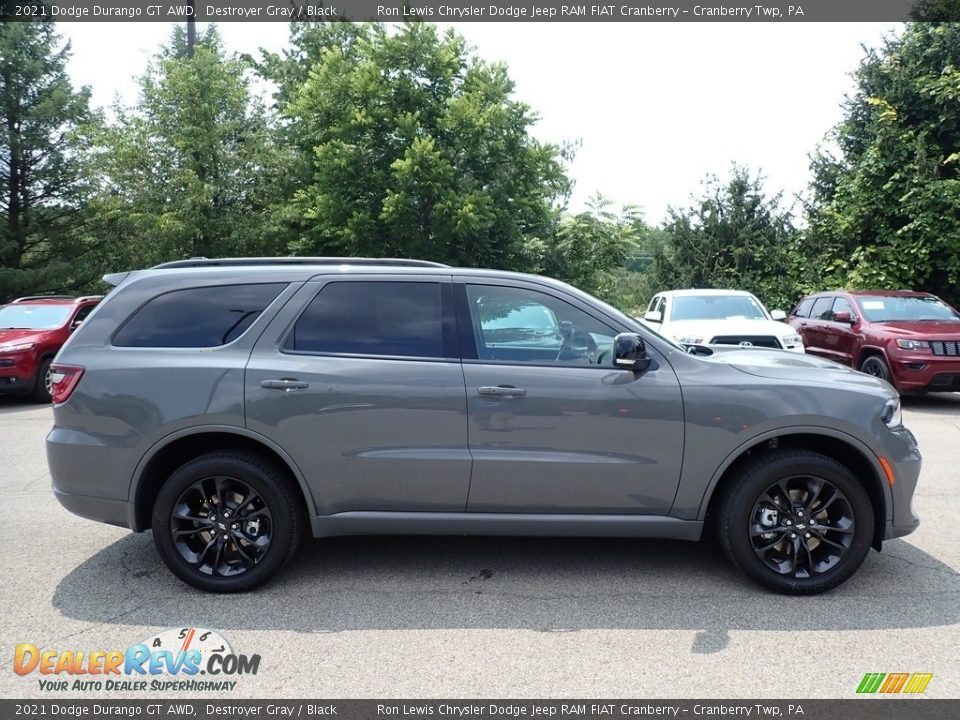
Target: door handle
(285, 384)
(501, 391)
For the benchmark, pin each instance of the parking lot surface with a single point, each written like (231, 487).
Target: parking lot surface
(492, 617)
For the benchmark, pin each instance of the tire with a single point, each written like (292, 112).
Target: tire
(214, 551)
(875, 365)
(41, 387)
(804, 557)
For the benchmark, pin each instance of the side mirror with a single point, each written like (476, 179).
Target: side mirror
(630, 352)
(778, 315)
(844, 316)
(654, 316)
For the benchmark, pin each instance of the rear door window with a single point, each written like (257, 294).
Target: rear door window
(197, 317)
(386, 319)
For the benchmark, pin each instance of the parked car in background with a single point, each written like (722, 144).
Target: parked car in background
(32, 330)
(719, 317)
(910, 339)
(231, 405)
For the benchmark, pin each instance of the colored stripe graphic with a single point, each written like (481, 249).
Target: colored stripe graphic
(870, 682)
(918, 682)
(894, 683)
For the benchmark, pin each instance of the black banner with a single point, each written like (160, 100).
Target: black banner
(855, 709)
(481, 11)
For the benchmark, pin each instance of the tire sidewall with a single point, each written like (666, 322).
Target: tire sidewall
(39, 392)
(261, 479)
(745, 496)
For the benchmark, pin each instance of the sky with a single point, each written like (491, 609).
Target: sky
(656, 107)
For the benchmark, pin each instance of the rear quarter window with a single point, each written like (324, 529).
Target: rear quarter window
(197, 317)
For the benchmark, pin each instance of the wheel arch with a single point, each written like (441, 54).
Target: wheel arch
(175, 449)
(845, 449)
(865, 351)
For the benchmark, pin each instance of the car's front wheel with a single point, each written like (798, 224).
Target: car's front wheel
(227, 521)
(43, 385)
(797, 522)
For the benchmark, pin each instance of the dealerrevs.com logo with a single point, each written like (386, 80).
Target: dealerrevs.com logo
(171, 660)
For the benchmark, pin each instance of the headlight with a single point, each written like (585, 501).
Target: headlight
(791, 340)
(891, 415)
(688, 339)
(16, 347)
(913, 344)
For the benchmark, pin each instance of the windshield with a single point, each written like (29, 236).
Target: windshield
(717, 307)
(33, 317)
(892, 309)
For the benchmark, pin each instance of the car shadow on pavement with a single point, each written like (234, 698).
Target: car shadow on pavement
(12, 404)
(540, 584)
(935, 403)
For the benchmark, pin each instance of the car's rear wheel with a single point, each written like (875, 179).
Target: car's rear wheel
(796, 522)
(227, 521)
(875, 365)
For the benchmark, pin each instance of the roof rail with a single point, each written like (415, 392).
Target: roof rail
(248, 262)
(28, 298)
(87, 298)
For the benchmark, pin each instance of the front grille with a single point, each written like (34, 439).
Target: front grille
(764, 341)
(945, 347)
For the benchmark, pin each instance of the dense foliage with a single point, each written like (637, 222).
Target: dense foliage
(399, 141)
(44, 158)
(886, 210)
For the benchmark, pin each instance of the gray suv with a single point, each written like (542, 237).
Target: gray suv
(232, 405)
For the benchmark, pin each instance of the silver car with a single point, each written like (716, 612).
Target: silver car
(233, 406)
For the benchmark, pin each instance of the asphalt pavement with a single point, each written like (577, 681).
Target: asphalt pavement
(490, 617)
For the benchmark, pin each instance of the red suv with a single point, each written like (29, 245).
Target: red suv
(911, 339)
(32, 330)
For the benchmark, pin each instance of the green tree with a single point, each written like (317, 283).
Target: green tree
(590, 250)
(886, 209)
(733, 236)
(43, 172)
(410, 146)
(193, 168)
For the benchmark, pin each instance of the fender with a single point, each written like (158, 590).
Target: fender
(864, 449)
(870, 348)
(201, 430)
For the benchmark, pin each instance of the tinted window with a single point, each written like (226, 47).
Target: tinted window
(803, 309)
(400, 319)
(821, 308)
(525, 326)
(197, 317)
(82, 313)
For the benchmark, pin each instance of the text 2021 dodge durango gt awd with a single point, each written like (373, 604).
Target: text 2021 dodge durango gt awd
(233, 405)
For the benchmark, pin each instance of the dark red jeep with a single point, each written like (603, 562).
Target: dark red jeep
(32, 330)
(911, 339)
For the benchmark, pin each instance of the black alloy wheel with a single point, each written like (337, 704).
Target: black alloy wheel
(802, 526)
(875, 365)
(796, 521)
(227, 521)
(221, 526)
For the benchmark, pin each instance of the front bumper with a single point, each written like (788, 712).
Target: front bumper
(17, 372)
(907, 463)
(915, 371)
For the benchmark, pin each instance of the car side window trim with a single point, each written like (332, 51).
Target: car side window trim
(448, 319)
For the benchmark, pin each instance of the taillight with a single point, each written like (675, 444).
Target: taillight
(64, 380)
